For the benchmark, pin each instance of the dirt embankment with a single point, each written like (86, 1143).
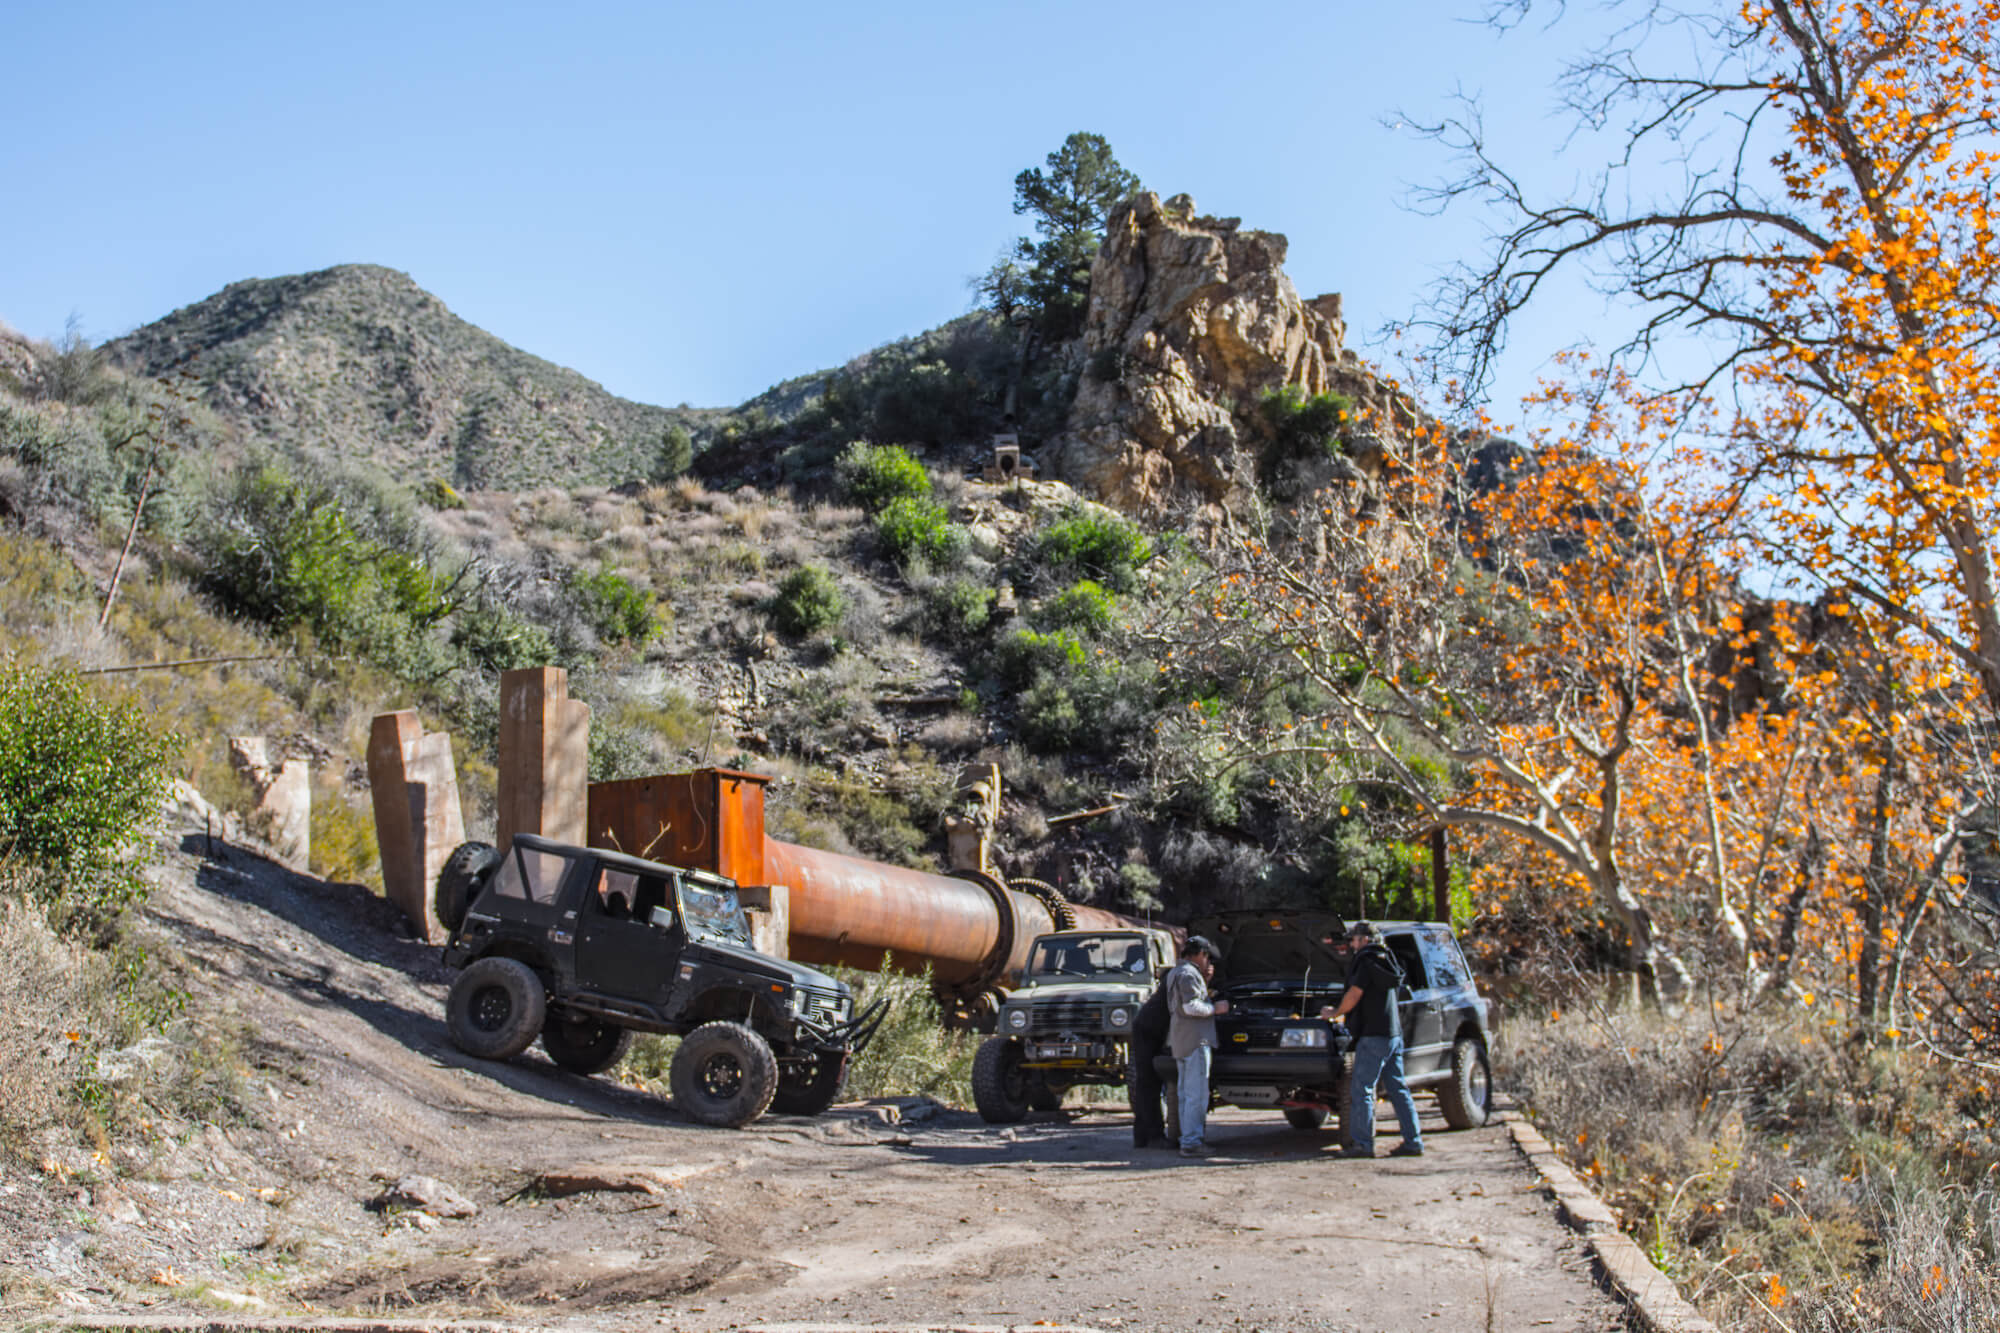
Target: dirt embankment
(869, 1216)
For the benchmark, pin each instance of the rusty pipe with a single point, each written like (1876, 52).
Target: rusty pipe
(854, 912)
(970, 929)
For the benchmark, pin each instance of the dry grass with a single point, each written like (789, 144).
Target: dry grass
(1785, 1178)
(46, 988)
(835, 518)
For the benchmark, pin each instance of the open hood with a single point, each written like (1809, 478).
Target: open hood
(1285, 943)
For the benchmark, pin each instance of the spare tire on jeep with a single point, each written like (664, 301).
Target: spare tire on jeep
(459, 882)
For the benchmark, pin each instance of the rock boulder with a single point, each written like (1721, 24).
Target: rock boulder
(1191, 322)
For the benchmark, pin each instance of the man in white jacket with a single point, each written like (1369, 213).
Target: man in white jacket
(1191, 1038)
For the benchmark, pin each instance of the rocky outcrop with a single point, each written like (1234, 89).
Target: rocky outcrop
(1191, 322)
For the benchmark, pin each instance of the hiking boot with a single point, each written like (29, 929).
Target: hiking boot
(1352, 1151)
(1199, 1150)
(1407, 1149)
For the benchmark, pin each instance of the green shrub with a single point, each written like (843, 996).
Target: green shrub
(1026, 653)
(926, 400)
(440, 494)
(344, 849)
(1084, 606)
(913, 1054)
(81, 776)
(615, 607)
(957, 606)
(808, 601)
(877, 475)
(1301, 427)
(676, 453)
(493, 638)
(1099, 708)
(287, 554)
(911, 530)
(1103, 547)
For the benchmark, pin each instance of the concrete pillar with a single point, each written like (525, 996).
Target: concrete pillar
(769, 907)
(418, 822)
(283, 817)
(544, 756)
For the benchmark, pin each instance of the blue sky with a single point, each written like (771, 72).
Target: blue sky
(690, 202)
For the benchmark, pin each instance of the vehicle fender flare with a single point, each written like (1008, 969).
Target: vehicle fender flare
(521, 952)
(731, 1000)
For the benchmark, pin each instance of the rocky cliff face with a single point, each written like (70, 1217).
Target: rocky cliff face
(1191, 322)
(359, 361)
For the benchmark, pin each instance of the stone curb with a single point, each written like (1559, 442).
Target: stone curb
(1655, 1300)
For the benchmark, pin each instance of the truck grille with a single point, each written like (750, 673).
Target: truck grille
(824, 1009)
(1066, 1016)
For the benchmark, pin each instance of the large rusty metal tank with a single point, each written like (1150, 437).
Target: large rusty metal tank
(969, 927)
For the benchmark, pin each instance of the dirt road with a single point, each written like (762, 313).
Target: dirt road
(870, 1216)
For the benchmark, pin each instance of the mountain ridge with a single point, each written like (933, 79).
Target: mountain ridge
(360, 359)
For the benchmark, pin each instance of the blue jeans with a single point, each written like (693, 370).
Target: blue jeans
(1193, 1075)
(1379, 1059)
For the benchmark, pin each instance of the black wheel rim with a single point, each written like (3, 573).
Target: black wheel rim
(492, 1006)
(721, 1075)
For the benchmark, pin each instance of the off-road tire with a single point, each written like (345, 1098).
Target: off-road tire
(810, 1088)
(496, 1009)
(723, 1074)
(1309, 1118)
(584, 1045)
(1000, 1087)
(1046, 1096)
(458, 883)
(1468, 1098)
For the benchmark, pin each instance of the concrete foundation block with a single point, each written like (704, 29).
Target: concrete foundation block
(769, 907)
(283, 817)
(418, 822)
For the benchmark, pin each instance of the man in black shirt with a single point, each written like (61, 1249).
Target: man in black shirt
(1142, 1080)
(1373, 980)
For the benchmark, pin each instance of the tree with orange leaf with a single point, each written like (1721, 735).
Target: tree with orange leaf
(1802, 209)
(1538, 625)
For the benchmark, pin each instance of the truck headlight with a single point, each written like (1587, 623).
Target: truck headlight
(1302, 1037)
(1017, 1019)
(1119, 1016)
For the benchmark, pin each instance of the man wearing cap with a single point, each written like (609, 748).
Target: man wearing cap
(1373, 979)
(1191, 1038)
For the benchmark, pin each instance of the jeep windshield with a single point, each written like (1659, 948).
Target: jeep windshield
(712, 912)
(1120, 956)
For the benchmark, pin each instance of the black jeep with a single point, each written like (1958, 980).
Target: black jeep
(585, 947)
(1279, 968)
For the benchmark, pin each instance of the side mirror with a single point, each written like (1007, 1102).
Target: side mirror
(663, 917)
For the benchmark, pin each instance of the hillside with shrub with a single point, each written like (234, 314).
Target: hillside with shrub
(359, 362)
